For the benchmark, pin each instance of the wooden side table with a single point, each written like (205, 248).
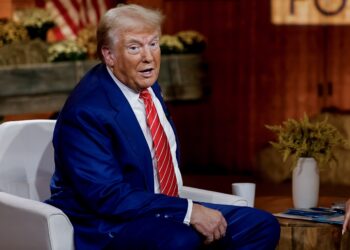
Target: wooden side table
(305, 235)
(299, 234)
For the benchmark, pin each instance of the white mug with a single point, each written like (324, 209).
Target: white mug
(245, 190)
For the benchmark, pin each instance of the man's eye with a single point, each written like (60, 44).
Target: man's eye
(154, 45)
(133, 49)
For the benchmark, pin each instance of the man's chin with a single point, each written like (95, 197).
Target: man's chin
(148, 82)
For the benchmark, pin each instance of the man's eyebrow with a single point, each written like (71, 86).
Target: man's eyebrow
(155, 37)
(135, 40)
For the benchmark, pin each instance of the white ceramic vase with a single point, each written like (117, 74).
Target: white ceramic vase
(306, 183)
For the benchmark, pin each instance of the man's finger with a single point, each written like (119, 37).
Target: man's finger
(224, 222)
(209, 239)
(222, 230)
(217, 234)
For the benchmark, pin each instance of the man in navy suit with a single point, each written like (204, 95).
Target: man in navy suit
(106, 177)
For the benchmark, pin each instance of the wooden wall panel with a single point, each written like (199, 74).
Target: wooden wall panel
(221, 122)
(21, 4)
(338, 66)
(5, 8)
(258, 74)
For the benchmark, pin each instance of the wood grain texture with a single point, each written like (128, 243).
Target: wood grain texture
(258, 74)
(40, 87)
(302, 235)
(305, 235)
(5, 8)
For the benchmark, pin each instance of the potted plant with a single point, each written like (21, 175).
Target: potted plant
(87, 38)
(310, 145)
(183, 42)
(11, 32)
(183, 69)
(37, 21)
(67, 50)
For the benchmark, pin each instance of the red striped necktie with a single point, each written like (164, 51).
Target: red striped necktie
(165, 167)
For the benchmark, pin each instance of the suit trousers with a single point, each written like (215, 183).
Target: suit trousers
(247, 228)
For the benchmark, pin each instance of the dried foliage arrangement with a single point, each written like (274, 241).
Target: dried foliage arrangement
(184, 42)
(296, 139)
(171, 45)
(66, 51)
(11, 32)
(87, 38)
(31, 52)
(37, 21)
(34, 17)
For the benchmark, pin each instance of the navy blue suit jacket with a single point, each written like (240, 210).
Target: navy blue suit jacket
(103, 168)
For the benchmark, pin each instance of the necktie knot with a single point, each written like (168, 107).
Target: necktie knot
(145, 95)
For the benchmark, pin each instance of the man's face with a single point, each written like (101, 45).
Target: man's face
(135, 58)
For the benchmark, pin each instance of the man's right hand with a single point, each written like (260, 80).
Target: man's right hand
(209, 222)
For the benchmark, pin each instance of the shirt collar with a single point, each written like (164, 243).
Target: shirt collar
(130, 94)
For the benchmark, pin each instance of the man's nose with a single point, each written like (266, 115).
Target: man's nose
(147, 54)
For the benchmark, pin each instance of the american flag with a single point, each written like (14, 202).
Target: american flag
(72, 15)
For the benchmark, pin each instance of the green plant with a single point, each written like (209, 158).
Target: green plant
(303, 138)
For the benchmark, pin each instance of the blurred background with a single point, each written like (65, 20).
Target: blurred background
(257, 67)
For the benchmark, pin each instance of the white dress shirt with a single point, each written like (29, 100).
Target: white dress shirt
(138, 107)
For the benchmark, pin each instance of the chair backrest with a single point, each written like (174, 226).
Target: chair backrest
(26, 158)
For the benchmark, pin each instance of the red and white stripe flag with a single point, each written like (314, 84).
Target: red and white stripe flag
(72, 15)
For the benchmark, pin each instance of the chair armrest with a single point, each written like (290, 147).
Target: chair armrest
(202, 195)
(30, 224)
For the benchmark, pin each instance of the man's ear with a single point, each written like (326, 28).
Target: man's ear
(108, 56)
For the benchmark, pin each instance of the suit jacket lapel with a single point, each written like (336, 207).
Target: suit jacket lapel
(126, 120)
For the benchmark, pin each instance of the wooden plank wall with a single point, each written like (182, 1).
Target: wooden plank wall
(216, 133)
(258, 74)
(5, 8)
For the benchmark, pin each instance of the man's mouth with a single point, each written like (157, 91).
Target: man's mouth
(146, 72)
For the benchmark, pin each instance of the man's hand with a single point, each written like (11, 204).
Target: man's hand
(208, 222)
(346, 224)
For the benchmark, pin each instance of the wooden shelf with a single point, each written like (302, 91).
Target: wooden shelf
(39, 88)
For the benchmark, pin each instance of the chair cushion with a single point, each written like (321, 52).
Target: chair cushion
(29, 224)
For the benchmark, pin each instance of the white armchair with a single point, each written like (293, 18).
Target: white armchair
(26, 167)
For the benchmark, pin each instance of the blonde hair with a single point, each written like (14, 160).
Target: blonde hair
(125, 17)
